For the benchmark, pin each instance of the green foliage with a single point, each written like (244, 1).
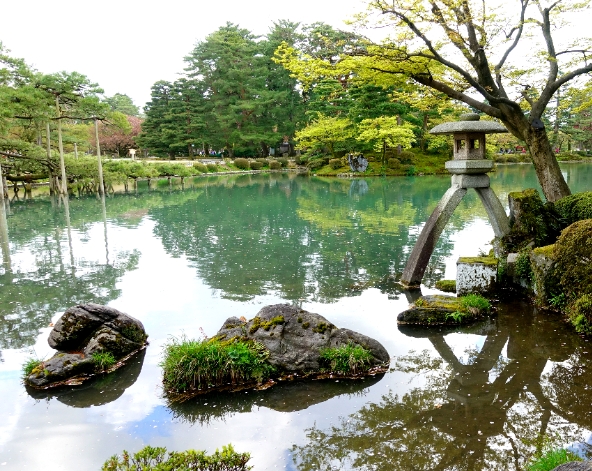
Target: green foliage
(457, 316)
(347, 359)
(575, 207)
(410, 170)
(103, 360)
(275, 165)
(134, 334)
(255, 165)
(200, 167)
(202, 364)
(156, 459)
(283, 161)
(572, 254)
(241, 163)
(551, 459)
(448, 286)
(579, 313)
(393, 163)
(212, 167)
(474, 304)
(335, 163)
(30, 365)
(523, 266)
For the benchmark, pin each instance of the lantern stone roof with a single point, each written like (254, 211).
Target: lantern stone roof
(469, 122)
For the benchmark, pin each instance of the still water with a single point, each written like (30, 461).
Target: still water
(182, 260)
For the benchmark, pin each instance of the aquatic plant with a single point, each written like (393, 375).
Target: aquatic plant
(201, 364)
(347, 359)
(103, 360)
(155, 459)
(551, 459)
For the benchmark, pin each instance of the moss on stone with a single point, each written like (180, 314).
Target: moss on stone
(265, 325)
(489, 261)
(448, 286)
(580, 314)
(573, 259)
(575, 207)
(547, 251)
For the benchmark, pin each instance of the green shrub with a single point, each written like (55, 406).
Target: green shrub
(30, 365)
(212, 167)
(200, 167)
(347, 359)
(406, 157)
(448, 286)
(299, 160)
(201, 364)
(551, 459)
(316, 163)
(575, 207)
(241, 163)
(283, 161)
(155, 459)
(579, 314)
(572, 254)
(410, 170)
(274, 165)
(335, 163)
(523, 267)
(103, 360)
(393, 163)
(255, 165)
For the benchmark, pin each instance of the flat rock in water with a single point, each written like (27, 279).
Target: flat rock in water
(294, 337)
(435, 310)
(82, 331)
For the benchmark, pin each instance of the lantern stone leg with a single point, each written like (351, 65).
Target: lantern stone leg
(495, 211)
(422, 251)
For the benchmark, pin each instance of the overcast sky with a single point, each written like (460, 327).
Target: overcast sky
(127, 45)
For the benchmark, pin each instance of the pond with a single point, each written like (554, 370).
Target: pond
(182, 260)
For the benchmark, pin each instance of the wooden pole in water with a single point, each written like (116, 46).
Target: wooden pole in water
(75, 151)
(101, 187)
(1, 186)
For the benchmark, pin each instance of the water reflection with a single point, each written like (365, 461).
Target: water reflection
(96, 391)
(489, 410)
(284, 397)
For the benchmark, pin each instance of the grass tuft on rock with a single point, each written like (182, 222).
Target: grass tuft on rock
(202, 364)
(551, 459)
(103, 360)
(474, 304)
(448, 286)
(30, 365)
(155, 459)
(348, 359)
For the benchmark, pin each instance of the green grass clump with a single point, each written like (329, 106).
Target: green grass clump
(474, 304)
(202, 364)
(551, 459)
(30, 365)
(156, 459)
(103, 360)
(347, 359)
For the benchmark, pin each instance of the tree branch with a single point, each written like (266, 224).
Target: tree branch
(519, 30)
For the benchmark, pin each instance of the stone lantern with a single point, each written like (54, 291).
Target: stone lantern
(469, 170)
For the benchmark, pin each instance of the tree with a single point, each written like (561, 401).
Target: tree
(474, 59)
(326, 132)
(118, 134)
(385, 132)
(122, 103)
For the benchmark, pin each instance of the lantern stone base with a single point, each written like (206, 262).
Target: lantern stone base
(475, 275)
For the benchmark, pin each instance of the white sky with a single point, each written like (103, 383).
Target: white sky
(136, 43)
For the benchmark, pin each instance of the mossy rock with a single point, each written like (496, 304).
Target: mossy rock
(438, 309)
(575, 207)
(448, 286)
(532, 222)
(573, 259)
(486, 260)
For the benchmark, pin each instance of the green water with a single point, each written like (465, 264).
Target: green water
(182, 260)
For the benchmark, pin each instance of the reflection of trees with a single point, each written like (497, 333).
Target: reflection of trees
(305, 238)
(486, 412)
(284, 397)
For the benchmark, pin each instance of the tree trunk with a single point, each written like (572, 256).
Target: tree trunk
(537, 142)
(64, 187)
(546, 166)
